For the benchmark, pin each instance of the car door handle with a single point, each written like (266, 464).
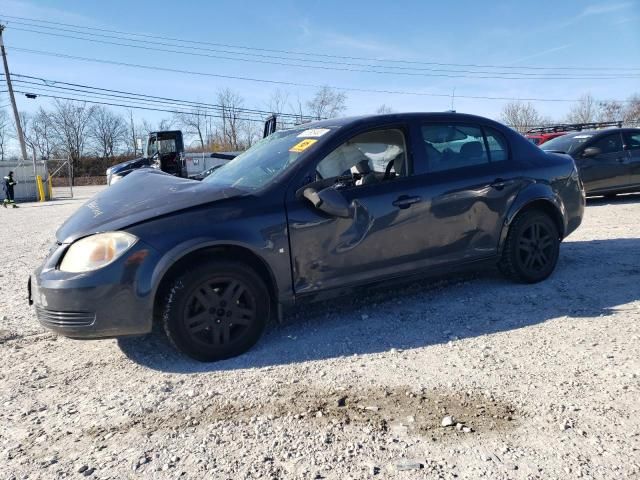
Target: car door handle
(500, 183)
(405, 201)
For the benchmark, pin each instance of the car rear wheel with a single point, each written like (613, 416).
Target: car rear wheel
(532, 247)
(215, 311)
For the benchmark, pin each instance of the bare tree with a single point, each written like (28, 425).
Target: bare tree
(610, 111)
(231, 122)
(384, 109)
(133, 133)
(520, 116)
(631, 113)
(146, 126)
(108, 131)
(278, 101)
(165, 124)
(42, 135)
(298, 108)
(251, 133)
(26, 122)
(5, 128)
(194, 123)
(584, 111)
(327, 103)
(70, 122)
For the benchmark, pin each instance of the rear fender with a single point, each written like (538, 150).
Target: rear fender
(536, 195)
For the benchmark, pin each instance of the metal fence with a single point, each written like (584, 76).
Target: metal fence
(25, 173)
(61, 171)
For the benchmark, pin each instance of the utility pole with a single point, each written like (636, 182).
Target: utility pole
(23, 146)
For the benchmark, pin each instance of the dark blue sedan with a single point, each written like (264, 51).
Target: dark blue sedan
(306, 213)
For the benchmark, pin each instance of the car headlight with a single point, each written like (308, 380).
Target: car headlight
(96, 251)
(115, 178)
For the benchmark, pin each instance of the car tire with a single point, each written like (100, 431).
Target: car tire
(531, 249)
(216, 310)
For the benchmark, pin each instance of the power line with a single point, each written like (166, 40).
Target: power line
(280, 82)
(315, 54)
(484, 75)
(369, 68)
(133, 103)
(129, 106)
(131, 95)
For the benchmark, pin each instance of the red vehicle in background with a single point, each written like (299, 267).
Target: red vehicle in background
(540, 135)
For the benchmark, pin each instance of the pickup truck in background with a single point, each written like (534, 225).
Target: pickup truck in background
(165, 151)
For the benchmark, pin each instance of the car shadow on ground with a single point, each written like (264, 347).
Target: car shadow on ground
(429, 312)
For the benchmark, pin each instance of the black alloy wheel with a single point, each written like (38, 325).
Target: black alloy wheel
(216, 311)
(219, 311)
(532, 247)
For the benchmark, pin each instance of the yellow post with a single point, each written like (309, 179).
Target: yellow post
(50, 188)
(40, 188)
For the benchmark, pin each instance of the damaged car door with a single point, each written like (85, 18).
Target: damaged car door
(470, 183)
(357, 221)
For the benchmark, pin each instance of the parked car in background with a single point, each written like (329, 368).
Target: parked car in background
(307, 213)
(541, 135)
(538, 138)
(608, 160)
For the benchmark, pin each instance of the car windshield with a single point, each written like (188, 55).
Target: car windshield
(266, 160)
(566, 143)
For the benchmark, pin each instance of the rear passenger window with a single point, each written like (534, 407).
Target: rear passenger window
(497, 145)
(453, 146)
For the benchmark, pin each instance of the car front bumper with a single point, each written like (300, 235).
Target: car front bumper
(112, 301)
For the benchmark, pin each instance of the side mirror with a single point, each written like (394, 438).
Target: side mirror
(591, 152)
(329, 201)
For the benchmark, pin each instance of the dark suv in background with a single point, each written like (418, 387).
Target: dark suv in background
(608, 160)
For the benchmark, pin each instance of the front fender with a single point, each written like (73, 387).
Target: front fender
(541, 194)
(182, 250)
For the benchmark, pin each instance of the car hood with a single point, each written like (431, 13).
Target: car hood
(140, 196)
(129, 164)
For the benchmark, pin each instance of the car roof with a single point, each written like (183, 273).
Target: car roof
(397, 117)
(602, 131)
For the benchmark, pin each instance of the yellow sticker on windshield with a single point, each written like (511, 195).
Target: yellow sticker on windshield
(303, 145)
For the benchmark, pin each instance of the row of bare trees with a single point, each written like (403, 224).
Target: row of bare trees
(523, 116)
(78, 129)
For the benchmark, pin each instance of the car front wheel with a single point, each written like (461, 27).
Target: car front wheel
(532, 247)
(216, 310)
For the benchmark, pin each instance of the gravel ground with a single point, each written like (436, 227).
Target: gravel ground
(541, 381)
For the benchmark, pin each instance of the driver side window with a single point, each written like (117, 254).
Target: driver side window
(609, 144)
(370, 157)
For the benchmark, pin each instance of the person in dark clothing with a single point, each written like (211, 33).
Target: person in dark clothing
(9, 182)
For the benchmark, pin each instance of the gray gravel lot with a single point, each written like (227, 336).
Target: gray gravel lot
(542, 381)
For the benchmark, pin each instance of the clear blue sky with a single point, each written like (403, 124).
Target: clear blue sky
(542, 33)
